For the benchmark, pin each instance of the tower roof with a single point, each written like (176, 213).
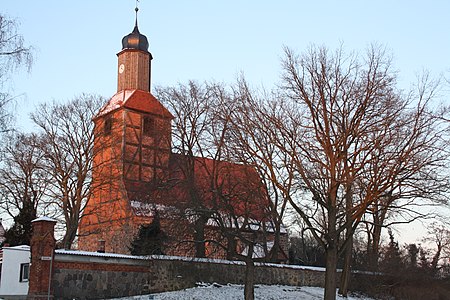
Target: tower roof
(137, 100)
(135, 40)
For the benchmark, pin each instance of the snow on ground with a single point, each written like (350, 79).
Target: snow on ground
(233, 291)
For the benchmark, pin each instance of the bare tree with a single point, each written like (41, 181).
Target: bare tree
(13, 55)
(352, 137)
(22, 176)
(224, 193)
(333, 111)
(439, 235)
(242, 218)
(67, 143)
(247, 210)
(192, 106)
(23, 182)
(251, 141)
(408, 166)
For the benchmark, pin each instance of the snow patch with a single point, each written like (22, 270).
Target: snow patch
(99, 254)
(20, 247)
(115, 102)
(233, 292)
(47, 219)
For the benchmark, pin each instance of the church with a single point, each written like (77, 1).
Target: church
(204, 207)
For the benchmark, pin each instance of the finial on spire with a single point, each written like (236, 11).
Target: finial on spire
(136, 9)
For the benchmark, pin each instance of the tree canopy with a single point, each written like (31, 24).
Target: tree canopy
(14, 54)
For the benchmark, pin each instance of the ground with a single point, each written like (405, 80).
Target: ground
(232, 292)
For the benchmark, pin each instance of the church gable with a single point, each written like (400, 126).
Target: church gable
(147, 103)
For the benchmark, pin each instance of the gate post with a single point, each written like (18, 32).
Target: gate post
(42, 253)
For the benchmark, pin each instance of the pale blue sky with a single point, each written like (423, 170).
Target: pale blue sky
(76, 41)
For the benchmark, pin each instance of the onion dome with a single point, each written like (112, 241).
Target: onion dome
(135, 40)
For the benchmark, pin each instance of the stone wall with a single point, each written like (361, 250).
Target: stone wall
(83, 275)
(93, 275)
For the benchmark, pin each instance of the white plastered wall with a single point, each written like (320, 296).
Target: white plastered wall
(10, 283)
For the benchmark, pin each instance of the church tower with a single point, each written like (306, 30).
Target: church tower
(134, 62)
(131, 149)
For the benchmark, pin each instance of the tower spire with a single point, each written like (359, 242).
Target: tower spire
(136, 9)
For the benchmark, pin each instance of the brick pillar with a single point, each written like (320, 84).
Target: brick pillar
(42, 251)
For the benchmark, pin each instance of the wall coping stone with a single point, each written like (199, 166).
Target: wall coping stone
(91, 257)
(98, 257)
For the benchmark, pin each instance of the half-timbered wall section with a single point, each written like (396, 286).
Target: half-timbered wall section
(146, 146)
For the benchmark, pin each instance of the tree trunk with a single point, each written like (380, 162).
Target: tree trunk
(373, 251)
(435, 260)
(231, 247)
(330, 274)
(346, 269)
(276, 246)
(331, 252)
(249, 289)
(199, 237)
(70, 234)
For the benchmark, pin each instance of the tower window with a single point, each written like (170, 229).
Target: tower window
(148, 126)
(108, 126)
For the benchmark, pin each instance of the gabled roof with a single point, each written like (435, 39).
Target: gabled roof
(136, 100)
(223, 186)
